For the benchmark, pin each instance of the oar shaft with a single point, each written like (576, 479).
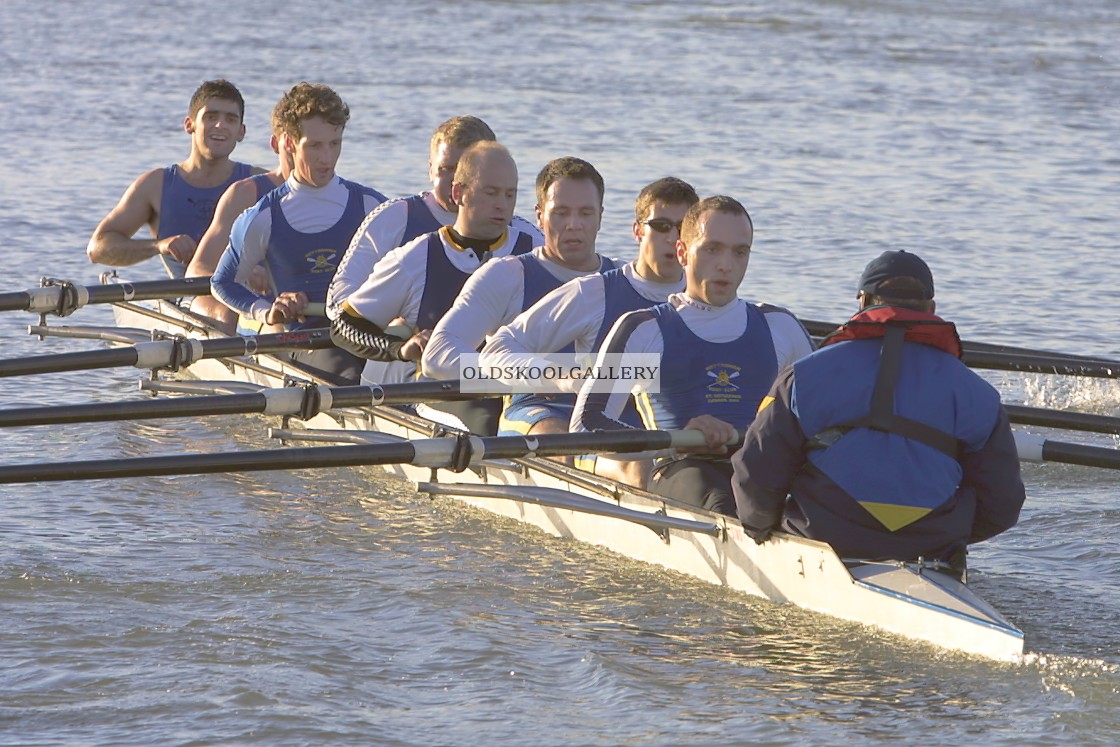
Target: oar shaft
(170, 353)
(302, 402)
(142, 409)
(197, 464)
(1078, 421)
(15, 301)
(1086, 456)
(64, 298)
(1035, 448)
(148, 290)
(59, 362)
(1010, 358)
(454, 453)
(1042, 363)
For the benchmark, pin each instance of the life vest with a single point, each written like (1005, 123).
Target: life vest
(895, 325)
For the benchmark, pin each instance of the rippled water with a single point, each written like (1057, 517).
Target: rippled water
(340, 608)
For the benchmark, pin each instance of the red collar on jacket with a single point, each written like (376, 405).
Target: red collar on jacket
(872, 322)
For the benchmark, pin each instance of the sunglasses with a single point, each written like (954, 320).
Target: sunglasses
(662, 225)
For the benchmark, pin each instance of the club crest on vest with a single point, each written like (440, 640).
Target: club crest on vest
(723, 387)
(321, 260)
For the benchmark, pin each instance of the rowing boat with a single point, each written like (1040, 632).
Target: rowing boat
(913, 599)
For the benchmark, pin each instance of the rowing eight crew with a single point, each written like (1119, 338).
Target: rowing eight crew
(423, 264)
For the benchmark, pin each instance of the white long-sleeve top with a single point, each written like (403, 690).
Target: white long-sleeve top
(493, 296)
(383, 231)
(307, 209)
(712, 323)
(570, 315)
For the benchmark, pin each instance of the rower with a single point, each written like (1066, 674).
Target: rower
(239, 197)
(300, 229)
(177, 202)
(718, 355)
(569, 208)
(577, 315)
(399, 221)
(414, 285)
(896, 449)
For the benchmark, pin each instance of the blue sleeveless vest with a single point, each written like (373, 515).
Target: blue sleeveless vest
(725, 380)
(420, 219)
(539, 282)
(619, 297)
(444, 280)
(264, 185)
(307, 261)
(184, 209)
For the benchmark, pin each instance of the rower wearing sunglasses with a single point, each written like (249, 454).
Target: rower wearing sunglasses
(578, 314)
(718, 357)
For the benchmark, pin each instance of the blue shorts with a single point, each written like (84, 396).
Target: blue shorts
(525, 411)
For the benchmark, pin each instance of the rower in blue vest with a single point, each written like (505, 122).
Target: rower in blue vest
(177, 202)
(299, 230)
(414, 285)
(399, 221)
(718, 357)
(883, 443)
(578, 315)
(569, 208)
(239, 197)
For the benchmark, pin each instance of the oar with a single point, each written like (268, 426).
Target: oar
(1040, 362)
(1077, 421)
(1010, 358)
(1035, 448)
(174, 353)
(64, 298)
(455, 453)
(304, 402)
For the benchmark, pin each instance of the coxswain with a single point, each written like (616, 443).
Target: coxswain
(895, 449)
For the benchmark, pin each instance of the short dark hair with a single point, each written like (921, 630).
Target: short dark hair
(567, 167)
(215, 89)
(690, 226)
(668, 189)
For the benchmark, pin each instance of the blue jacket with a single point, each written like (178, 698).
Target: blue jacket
(872, 492)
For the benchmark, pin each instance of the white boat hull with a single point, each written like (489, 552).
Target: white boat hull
(903, 599)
